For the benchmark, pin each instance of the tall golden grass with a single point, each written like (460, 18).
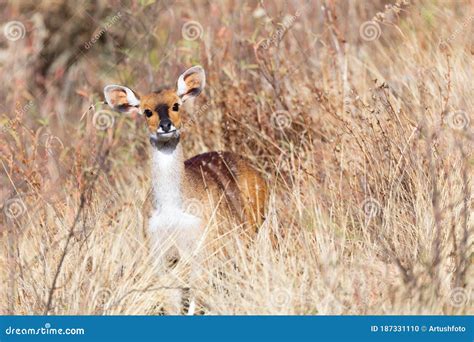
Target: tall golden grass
(358, 113)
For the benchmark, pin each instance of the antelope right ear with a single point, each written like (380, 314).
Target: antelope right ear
(191, 82)
(122, 99)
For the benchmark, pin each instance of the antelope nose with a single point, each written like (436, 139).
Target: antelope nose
(165, 125)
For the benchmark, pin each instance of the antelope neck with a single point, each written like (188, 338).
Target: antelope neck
(167, 173)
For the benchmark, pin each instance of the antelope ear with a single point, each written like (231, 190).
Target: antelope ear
(122, 99)
(191, 82)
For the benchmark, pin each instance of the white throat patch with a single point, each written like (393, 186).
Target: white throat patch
(166, 178)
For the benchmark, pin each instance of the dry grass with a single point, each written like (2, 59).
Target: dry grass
(368, 153)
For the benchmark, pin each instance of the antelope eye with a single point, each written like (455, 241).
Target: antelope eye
(176, 107)
(148, 113)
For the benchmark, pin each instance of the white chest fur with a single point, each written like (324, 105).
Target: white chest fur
(169, 223)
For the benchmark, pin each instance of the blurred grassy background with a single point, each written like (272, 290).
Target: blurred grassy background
(358, 112)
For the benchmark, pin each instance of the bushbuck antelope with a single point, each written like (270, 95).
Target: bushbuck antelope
(219, 183)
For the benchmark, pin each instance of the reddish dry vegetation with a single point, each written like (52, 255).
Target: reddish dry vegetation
(364, 132)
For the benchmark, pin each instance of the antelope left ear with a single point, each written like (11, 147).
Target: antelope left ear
(191, 82)
(122, 99)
